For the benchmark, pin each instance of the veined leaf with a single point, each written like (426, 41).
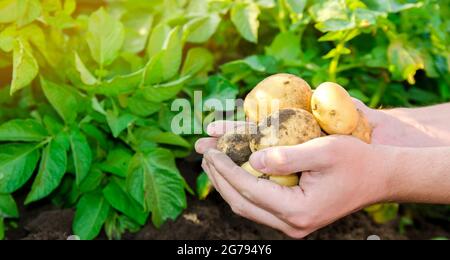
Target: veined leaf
(117, 161)
(197, 60)
(105, 37)
(154, 135)
(115, 193)
(199, 30)
(165, 64)
(245, 18)
(28, 130)
(85, 75)
(63, 99)
(164, 92)
(17, 163)
(154, 181)
(25, 67)
(81, 153)
(118, 123)
(51, 171)
(92, 211)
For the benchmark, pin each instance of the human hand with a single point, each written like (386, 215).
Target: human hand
(340, 175)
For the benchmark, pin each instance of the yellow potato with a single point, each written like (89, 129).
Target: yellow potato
(277, 92)
(285, 127)
(236, 143)
(334, 109)
(363, 130)
(284, 180)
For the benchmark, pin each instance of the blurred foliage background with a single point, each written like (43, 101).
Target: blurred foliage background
(86, 88)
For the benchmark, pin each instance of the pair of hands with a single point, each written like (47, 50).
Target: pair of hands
(340, 175)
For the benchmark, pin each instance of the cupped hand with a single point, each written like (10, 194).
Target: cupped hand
(340, 174)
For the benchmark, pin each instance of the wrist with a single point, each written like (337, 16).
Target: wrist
(389, 178)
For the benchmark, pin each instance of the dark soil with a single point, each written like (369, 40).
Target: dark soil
(213, 219)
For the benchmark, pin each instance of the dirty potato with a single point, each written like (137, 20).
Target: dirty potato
(277, 92)
(236, 144)
(285, 127)
(363, 130)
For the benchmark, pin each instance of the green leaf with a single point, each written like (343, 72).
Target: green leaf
(154, 181)
(25, 67)
(117, 161)
(27, 130)
(122, 84)
(8, 38)
(163, 92)
(92, 211)
(296, 6)
(118, 123)
(219, 88)
(404, 61)
(154, 135)
(8, 11)
(21, 11)
(137, 28)
(17, 163)
(157, 39)
(81, 154)
(85, 75)
(63, 99)
(92, 181)
(197, 60)
(204, 186)
(383, 213)
(8, 207)
(140, 106)
(165, 64)
(105, 37)
(28, 11)
(200, 29)
(325, 10)
(245, 17)
(115, 193)
(285, 47)
(391, 6)
(51, 171)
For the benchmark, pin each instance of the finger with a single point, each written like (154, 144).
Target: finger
(264, 193)
(283, 160)
(219, 128)
(245, 208)
(207, 170)
(204, 144)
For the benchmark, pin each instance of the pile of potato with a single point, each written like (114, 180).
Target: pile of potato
(287, 112)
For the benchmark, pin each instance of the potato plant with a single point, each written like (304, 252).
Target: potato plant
(86, 88)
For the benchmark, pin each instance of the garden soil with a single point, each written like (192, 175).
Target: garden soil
(212, 219)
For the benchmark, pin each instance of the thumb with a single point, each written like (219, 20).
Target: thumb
(286, 160)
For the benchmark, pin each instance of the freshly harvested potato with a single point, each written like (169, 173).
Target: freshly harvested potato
(363, 130)
(284, 180)
(236, 144)
(285, 127)
(277, 92)
(334, 109)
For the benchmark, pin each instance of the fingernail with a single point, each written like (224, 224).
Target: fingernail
(258, 160)
(211, 129)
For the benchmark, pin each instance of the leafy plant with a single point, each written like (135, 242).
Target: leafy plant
(86, 87)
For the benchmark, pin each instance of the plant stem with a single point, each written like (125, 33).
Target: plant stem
(375, 100)
(281, 16)
(333, 69)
